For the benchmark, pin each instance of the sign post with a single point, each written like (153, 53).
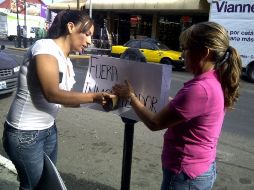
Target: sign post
(127, 152)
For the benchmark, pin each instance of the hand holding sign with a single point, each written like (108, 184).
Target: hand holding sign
(123, 91)
(105, 72)
(111, 103)
(101, 98)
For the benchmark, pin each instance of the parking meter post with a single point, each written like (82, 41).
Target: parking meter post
(18, 36)
(15, 42)
(127, 152)
(25, 36)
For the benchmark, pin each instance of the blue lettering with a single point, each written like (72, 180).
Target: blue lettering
(234, 8)
(220, 7)
(230, 8)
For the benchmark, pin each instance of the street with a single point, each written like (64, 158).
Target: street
(91, 143)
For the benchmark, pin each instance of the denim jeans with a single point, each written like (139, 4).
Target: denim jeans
(181, 181)
(26, 148)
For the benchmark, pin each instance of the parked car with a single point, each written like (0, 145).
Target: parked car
(9, 69)
(153, 50)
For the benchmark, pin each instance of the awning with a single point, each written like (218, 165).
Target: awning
(127, 5)
(145, 4)
(66, 4)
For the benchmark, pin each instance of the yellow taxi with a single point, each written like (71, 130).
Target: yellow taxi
(153, 50)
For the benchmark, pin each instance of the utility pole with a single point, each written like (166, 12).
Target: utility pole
(90, 8)
(25, 27)
(77, 4)
(18, 40)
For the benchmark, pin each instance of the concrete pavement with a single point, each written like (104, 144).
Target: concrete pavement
(8, 180)
(94, 144)
(8, 175)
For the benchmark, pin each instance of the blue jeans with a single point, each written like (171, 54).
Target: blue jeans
(172, 181)
(26, 148)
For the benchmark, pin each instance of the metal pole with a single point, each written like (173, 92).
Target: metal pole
(25, 27)
(90, 8)
(127, 153)
(18, 26)
(78, 4)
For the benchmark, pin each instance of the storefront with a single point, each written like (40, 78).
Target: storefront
(161, 19)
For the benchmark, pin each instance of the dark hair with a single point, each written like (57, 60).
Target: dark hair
(227, 61)
(59, 26)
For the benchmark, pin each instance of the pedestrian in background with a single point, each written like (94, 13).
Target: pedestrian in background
(194, 117)
(45, 80)
(42, 32)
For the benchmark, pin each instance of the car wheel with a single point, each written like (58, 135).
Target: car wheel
(250, 73)
(166, 62)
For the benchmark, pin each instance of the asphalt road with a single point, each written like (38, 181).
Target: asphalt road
(91, 144)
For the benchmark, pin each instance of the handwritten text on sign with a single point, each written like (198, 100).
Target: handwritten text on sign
(150, 81)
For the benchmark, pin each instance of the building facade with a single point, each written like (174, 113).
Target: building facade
(160, 19)
(33, 7)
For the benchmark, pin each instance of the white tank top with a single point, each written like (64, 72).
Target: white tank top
(29, 109)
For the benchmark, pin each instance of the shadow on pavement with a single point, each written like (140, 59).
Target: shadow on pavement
(7, 95)
(72, 183)
(8, 182)
(245, 78)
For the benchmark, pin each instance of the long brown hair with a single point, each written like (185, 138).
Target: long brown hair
(227, 61)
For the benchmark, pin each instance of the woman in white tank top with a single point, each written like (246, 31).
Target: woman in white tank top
(45, 80)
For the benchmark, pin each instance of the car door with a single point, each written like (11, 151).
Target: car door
(150, 51)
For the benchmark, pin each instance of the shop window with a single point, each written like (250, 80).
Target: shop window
(141, 26)
(169, 31)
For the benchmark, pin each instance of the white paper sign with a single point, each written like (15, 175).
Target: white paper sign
(150, 81)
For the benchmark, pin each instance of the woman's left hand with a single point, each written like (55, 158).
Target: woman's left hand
(102, 98)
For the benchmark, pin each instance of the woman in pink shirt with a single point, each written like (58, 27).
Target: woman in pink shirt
(195, 116)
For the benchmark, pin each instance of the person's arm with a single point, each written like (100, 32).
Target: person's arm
(165, 118)
(48, 75)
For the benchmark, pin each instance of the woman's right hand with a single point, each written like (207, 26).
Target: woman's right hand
(123, 90)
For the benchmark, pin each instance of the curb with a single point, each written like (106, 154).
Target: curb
(73, 56)
(7, 164)
(19, 49)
